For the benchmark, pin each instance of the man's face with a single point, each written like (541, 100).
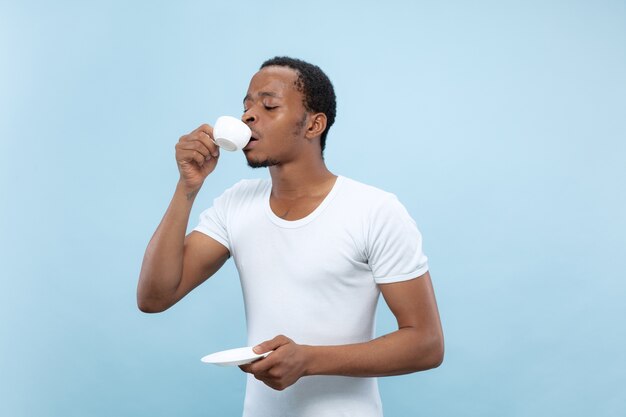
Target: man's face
(274, 111)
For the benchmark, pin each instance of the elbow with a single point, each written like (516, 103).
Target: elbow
(150, 301)
(436, 352)
(430, 355)
(437, 359)
(150, 306)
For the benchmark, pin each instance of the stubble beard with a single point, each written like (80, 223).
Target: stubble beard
(262, 163)
(269, 162)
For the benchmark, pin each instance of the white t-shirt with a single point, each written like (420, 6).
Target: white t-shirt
(315, 281)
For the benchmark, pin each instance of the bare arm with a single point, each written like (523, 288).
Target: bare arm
(174, 264)
(417, 344)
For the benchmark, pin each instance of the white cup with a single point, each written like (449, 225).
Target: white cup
(231, 133)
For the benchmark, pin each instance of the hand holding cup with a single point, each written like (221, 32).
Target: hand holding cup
(231, 134)
(197, 152)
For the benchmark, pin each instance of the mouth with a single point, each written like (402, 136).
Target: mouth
(254, 138)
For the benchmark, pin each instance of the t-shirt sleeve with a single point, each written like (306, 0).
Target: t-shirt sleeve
(213, 221)
(394, 244)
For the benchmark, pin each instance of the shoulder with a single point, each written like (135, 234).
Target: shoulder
(243, 192)
(366, 196)
(372, 204)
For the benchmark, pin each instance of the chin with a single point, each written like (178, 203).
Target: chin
(261, 163)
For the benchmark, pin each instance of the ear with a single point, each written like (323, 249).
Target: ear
(316, 126)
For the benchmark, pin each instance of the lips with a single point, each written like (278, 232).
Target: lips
(254, 138)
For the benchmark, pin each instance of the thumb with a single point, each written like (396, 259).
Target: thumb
(273, 344)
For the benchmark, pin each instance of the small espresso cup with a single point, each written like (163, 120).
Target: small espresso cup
(231, 133)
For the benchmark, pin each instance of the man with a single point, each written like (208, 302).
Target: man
(314, 250)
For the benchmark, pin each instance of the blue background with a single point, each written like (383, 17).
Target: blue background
(500, 125)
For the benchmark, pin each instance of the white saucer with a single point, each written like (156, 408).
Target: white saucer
(234, 357)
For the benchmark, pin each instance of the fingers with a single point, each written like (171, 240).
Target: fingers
(282, 367)
(206, 136)
(247, 367)
(262, 365)
(273, 344)
(184, 156)
(197, 146)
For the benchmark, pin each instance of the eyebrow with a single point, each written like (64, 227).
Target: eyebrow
(262, 94)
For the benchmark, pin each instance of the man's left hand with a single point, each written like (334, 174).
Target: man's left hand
(281, 368)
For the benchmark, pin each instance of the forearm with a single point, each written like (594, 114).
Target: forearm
(162, 266)
(417, 345)
(403, 351)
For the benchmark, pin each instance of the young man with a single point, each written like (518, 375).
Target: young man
(314, 250)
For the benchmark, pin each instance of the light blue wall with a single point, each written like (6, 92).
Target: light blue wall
(500, 125)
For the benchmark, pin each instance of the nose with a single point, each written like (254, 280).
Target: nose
(248, 117)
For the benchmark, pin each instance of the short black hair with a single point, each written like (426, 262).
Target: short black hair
(318, 91)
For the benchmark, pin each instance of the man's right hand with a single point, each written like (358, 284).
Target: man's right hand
(196, 156)
(175, 264)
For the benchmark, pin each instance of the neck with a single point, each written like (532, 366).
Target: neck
(304, 178)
